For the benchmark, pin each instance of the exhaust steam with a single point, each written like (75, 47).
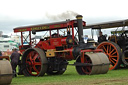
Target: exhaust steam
(63, 16)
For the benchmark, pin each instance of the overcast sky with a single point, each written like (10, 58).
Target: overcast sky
(14, 13)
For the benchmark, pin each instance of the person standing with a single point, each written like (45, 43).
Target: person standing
(15, 57)
(101, 37)
(0, 55)
(85, 38)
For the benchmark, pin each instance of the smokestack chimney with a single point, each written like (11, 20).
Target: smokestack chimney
(80, 28)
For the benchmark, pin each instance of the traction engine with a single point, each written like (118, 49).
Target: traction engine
(51, 54)
(117, 49)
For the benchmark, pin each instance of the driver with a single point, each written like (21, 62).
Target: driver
(101, 37)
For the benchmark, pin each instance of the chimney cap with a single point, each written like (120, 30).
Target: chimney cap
(79, 16)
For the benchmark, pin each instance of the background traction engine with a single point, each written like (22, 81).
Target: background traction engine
(51, 55)
(117, 49)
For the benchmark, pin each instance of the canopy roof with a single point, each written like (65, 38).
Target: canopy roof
(48, 26)
(110, 24)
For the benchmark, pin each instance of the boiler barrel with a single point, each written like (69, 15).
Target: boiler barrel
(5, 72)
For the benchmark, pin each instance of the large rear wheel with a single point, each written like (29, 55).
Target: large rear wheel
(113, 51)
(34, 62)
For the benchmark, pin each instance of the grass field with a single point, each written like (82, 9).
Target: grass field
(71, 77)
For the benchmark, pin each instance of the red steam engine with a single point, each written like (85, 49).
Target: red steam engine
(51, 54)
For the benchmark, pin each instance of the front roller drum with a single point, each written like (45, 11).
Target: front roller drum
(99, 64)
(5, 72)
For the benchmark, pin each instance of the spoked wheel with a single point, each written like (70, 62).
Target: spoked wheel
(99, 64)
(34, 62)
(113, 51)
(83, 70)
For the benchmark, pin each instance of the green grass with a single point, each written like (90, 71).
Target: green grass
(71, 77)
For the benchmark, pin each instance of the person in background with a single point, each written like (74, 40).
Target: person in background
(8, 52)
(101, 37)
(85, 38)
(15, 57)
(0, 55)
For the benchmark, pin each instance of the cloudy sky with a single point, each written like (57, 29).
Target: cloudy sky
(14, 13)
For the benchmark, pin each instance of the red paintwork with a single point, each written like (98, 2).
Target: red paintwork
(69, 55)
(4, 57)
(58, 41)
(22, 39)
(45, 45)
(52, 43)
(63, 41)
(89, 50)
(34, 63)
(55, 42)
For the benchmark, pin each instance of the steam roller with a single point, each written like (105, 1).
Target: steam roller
(51, 54)
(6, 74)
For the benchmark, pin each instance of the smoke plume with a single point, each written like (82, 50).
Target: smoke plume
(62, 16)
